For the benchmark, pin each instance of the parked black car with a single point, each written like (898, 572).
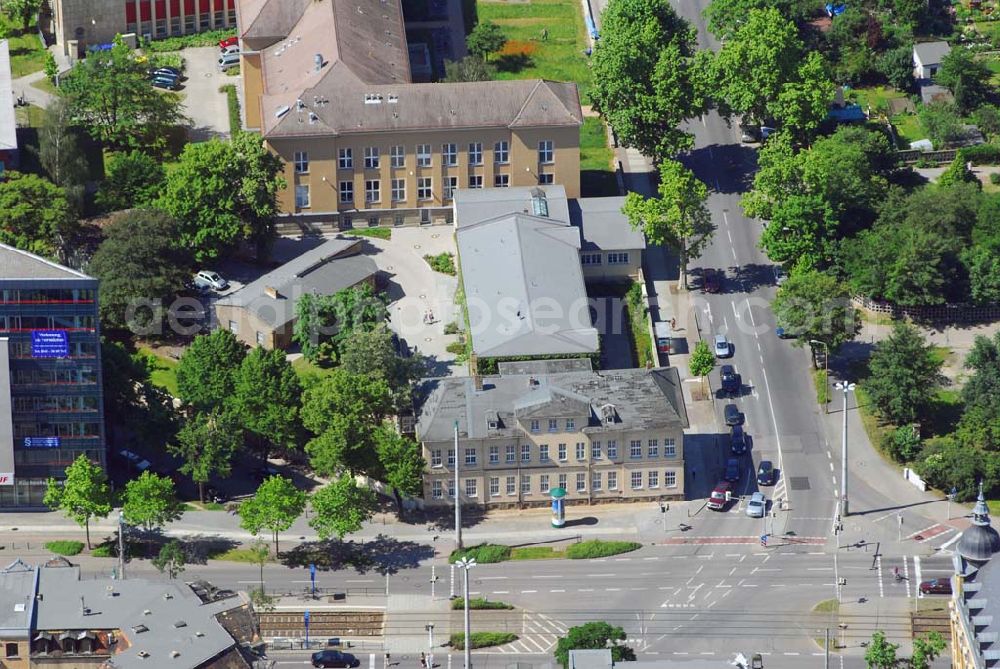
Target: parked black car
(334, 658)
(765, 473)
(732, 470)
(731, 381)
(737, 440)
(733, 415)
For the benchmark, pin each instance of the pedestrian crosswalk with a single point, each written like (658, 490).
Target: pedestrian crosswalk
(539, 634)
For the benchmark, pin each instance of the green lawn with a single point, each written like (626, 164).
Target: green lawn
(44, 85)
(597, 175)
(908, 129)
(560, 56)
(165, 371)
(874, 96)
(27, 54)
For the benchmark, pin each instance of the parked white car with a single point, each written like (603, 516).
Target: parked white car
(209, 280)
(722, 347)
(757, 505)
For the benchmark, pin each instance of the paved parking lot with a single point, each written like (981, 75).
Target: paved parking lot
(203, 103)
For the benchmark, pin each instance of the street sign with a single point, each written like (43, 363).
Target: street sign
(41, 442)
(763, 540)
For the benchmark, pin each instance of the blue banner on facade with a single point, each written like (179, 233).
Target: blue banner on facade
(49, 344)
(41, 442)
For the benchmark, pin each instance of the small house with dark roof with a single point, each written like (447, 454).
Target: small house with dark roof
(603, 436)
(927, 57)
(262, 313)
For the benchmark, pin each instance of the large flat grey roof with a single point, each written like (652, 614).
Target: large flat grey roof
(8, 121)
(159, 606)
(478, 204)
(324, 270)
(643, 399)
(524, 287)
(18, 264)
(17, 599)
(603, 226)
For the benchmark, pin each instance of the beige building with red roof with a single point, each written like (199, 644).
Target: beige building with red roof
(328, 85)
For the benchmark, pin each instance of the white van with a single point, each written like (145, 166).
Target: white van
(232, 48)
(228, 60)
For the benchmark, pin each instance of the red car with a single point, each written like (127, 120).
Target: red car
(936, 586)
(228, 42)
(720, 496)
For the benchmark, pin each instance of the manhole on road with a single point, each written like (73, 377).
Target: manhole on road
(799, 482)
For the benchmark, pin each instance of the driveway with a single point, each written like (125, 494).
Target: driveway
(414, 289)
(203, 103)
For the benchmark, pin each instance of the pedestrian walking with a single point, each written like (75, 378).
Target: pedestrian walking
(423, 661)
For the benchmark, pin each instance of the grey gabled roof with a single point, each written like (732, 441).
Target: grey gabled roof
(642, 399)
(603, 226)
(930, 53)
(324, 270)
(122, 605)
(18, 264)
(8, 121)
(472, 205)
(17, 599)
(524, 287)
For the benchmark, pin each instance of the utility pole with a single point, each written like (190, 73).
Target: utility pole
(465, 564)
(121, 545)
(846, 387)
(458, 495)
(826, 661)
(430, 645)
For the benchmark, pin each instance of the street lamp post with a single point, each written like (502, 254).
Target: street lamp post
(458, 497)
(826, 370)
(430, 645)
(465, 564)
(121, 545)
(844, 509)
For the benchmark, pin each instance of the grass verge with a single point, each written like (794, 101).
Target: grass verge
(597, 173)
(483, 553)
(233, 105)
(27, 54)
(827, 606)
(598, 549)
(536, 553)
(442, 262)
(164, 374)
(479, 603)
(378, 233)
(822, 385)
(481, 639)
(104, 551)
(236, 555)
(637, 326)
(64, 547)
(546, 39)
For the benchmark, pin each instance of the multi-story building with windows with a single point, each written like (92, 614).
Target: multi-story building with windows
(78, 24)
(974, 609)
(50, 374)
(328, 84)
(601, 436)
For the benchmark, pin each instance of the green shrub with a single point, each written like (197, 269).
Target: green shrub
(822, 386)
(482, 639)
(174, 60)
(103, 551)
(233, 103)
(451, 328)
(536, 553)
(208, 38)
(981, 154)
(64, 547)
(378, 233)
(479, 603)
(455, 348)
(483, 553)
(598, 549)
(995, 178)
(442, 262)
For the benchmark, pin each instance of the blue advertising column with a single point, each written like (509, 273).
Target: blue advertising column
(558, 507)
(305, 619)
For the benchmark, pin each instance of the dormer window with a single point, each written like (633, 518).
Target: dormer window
(608, 414)
(492, 420)
(373, 99)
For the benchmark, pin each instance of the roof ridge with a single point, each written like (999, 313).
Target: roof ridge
(531, 94)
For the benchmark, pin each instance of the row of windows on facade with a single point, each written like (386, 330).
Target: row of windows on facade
(53, 457)
(204, 23)
(47, 295)
(449, 155)
(55, 404)
(77, 349)
(72, 430)
(614, 258)
(47, 323)
(638, 481)
(60, 375)
(425, 188)
(597, 452)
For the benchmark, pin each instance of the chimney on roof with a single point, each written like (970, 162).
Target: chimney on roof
(271, 292)
(318, 61)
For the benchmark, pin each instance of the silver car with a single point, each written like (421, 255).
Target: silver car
(757, 505)
(209, 280)
(722, 349)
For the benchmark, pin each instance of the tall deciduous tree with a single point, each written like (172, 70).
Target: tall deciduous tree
(402, 462)
(149, 501)
(171, 559)
(134, 180)
(678, 217)
(702, 360)
(222, 193)
(485, 39)
(779, 176)
(266, 397)
(83, 495)
(881, 654)
(967, 78)
(274, 507)
(323, 322)
(59, 152)
(802, 104)
(594, 635)
(646, 80)
(751, 68)
(343, 410)
(373, 352)
(470, 68)
(109, 93)
(206, 375)
(926, 649)
(23, 11)
(815, 305)
(206, 443)
(802, 228)
(905, 375)
(341, 507)
(35, 215)
(141, 269)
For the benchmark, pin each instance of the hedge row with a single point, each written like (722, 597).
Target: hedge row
(208, 38)
(981, 154)
(233, 103)
(483, 553)
(599, 549)
(64, 547)
(482, 639)
(479, 603)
